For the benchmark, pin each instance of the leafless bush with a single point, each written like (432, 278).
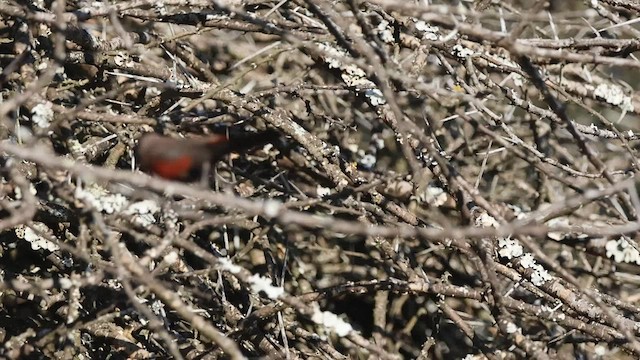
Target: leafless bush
(452, 181)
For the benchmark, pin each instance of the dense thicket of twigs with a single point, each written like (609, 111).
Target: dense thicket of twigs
(454, 180)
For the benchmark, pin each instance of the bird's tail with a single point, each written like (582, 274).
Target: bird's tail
(241, 142)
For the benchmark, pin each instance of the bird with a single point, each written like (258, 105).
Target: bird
(186, 159)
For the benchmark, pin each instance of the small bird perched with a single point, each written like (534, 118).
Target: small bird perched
(185, 159)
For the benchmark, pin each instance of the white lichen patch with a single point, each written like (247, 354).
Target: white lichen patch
(510, 248)
(322, 191)
(42, 114)
(271, 208)
(124, 60)
(428, 32)
(621, 251)
(377, 140)
(351, 74)
(18, 191)
(161, 9)
(539, 275)
(485, 220)
(511, 328)
(31, 234)
(157, 307)
(227, 265)
(101, 199)
(461, 51)
(259, 283)
(331, 321)
(614, 95)
(562, 221)
(433, 195)
(474, 357)
(171, 258)
(385, 32)
(375, 96)
(142, 212)
(368, 161)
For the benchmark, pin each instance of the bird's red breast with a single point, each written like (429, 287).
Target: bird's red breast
(173, 168)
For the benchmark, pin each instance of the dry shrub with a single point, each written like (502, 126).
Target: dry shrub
(453, 180)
